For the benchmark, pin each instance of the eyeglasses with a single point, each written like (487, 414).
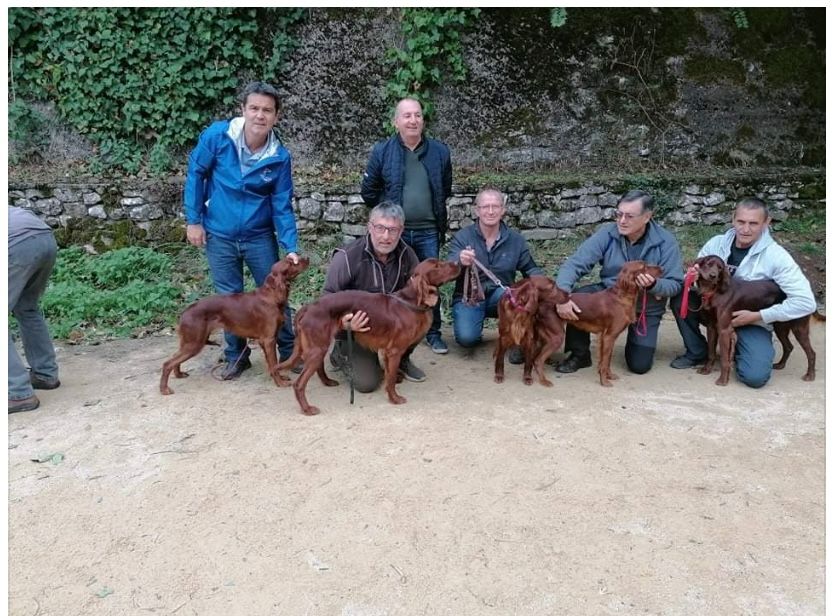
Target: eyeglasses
(627, 217)
(381, 229)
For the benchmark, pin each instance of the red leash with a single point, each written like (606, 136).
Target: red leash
(689, 278)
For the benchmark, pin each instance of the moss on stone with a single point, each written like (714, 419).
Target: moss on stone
(709, 69)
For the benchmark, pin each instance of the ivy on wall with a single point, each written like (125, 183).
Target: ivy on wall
(139, 82)
(431, 42)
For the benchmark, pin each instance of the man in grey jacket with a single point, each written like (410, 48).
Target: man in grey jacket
(751, 254)
(32, 252)
(634, 236)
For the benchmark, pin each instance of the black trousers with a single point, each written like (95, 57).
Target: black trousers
(640, 349)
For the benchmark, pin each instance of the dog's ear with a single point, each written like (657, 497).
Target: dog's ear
(724, 280)
(424, 291)
(432, 297)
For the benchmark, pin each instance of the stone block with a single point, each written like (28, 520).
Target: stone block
(131, 201)
(91, 198)
(334, 212)
(67, 195)
(310, 209)
(97, 211)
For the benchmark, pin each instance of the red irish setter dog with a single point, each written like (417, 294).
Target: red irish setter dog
(257, 314)
(528, 318)
(397, 322)
(610, 311)
(722, 295)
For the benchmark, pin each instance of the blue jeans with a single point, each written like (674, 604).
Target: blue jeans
(754, 346)
(468, 321)
(226, 259)
(30, 264)
(426, 244)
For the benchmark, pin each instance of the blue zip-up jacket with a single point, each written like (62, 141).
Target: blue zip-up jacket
(510, 254)
(383, 178)
(234, 206)
(607, 247)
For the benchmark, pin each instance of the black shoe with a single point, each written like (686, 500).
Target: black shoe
(233, 370)
(515, 355)
(573, 364)
(43, 383)
(411, 372)
(682, 361)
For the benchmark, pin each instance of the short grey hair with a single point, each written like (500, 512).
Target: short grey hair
(753, 203)
(491, 189)
(646, 199)
(387, 209)
(397, 106)
(260, 87)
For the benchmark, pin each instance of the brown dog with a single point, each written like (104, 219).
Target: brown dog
(722, 295)
(525, 312)
(397, 323)
(257, 314)
(610, 311)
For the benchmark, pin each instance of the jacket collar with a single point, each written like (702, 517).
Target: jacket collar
(236, 134)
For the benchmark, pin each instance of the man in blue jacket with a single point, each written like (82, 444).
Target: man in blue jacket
(633, 236)
(416, 173)
(501, 250)
(238, 198)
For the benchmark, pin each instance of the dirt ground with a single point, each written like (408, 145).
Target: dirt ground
(665, 494)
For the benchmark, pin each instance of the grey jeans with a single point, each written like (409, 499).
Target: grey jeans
(30, 264)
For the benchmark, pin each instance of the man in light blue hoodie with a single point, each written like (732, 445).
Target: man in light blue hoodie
(238, 200)
(751, 254)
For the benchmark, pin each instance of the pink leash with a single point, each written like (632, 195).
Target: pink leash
(641, 325)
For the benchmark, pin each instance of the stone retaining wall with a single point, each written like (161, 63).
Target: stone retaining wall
(108, 215)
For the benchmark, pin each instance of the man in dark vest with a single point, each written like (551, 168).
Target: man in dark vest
(415, 172)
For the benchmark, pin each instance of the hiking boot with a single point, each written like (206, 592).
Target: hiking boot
(437, 345)
(39, 382)
(411, 372)
(515, 355)
(233, 370)
(24, 404)
(682, 361)
(573, 364)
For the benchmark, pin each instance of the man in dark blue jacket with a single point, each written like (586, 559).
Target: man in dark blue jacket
(238, 197)
(416, 173)
(633, 236)
(501, 250)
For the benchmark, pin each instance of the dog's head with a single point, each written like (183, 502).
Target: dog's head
(436, 272)
(713, 275)
(628, 276)
(284, 271)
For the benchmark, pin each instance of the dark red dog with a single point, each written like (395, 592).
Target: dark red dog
(525, 319)
(722, 295)
(610, 311)
(257, 314)
(397, 323)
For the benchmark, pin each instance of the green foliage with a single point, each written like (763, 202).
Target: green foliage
(141, 81)
(558, 17)
(116, 293)
(740, 18)
(28, 135)
(431, 39)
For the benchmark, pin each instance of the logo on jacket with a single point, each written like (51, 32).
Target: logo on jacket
(266, 174)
